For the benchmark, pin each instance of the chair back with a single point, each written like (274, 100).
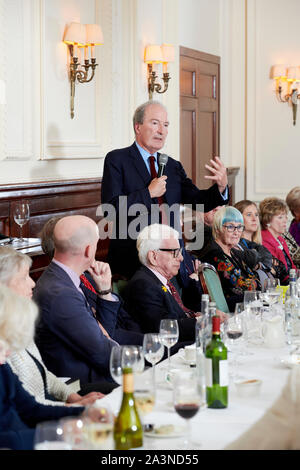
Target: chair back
(211, 285)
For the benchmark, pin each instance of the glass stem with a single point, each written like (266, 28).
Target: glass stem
(169, 360)
(153, 374)
(188, 437)
(21, 233)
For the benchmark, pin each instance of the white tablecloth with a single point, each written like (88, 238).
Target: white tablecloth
(211, 428)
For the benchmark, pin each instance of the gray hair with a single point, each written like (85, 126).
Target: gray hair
(138, 117)
(17, 319)
(11, 261)
(150, 239)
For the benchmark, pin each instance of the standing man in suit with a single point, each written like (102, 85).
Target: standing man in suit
(74, 339)
(129, 178)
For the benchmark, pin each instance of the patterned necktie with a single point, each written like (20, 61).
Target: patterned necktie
(87, 283)
(160, 199)
(175, 294)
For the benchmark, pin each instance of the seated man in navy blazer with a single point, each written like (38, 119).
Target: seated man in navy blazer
(150, 296)
(74, 337)
(130, 178)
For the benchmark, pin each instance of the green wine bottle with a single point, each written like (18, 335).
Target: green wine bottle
(216, 369)
(128, 431)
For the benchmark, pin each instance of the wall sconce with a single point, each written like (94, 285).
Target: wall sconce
(155, 54)
(77, 37)
(287, 78)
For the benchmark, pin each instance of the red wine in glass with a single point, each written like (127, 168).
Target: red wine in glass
(187, 410)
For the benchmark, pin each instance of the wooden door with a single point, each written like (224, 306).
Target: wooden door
(199, 112)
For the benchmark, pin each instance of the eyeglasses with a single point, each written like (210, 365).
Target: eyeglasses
(175, 251)
(232, 228)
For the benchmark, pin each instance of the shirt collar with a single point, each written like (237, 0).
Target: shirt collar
(145, 154)
(162, 279)
(74, 276)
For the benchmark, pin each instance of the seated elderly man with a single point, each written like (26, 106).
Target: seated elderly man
(149, 295)
(75, 340)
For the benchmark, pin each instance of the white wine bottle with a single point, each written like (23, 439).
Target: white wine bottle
(128, 431)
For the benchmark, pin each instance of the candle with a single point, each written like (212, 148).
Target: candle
(165, 67)
(92, 51)
(86, 50)
(75, 47)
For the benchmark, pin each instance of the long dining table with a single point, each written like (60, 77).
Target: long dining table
(213, 429)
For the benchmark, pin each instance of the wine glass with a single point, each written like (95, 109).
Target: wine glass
(144, 394)
(99, 431)
(49, 435)
(186, 400)
(73, 431)
(234, 330)
(21, 214)
(153, 350)
(270, 294)
(169, 333)
(133, 358)
(115, 364)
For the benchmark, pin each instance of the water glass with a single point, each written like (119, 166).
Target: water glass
(169, 333)
(153, 350)
(49, 435)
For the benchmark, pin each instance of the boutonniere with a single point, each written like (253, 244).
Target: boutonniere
(164, 288)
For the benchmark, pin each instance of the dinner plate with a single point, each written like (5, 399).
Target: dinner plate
(290, 361)
(165, 431)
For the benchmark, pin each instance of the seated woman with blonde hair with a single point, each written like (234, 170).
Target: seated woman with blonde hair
(27, 363)
(235, 274)
(19, 412)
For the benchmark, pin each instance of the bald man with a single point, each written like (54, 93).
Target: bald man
(75, 340)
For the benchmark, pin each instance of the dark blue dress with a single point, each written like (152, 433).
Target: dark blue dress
(20, 413)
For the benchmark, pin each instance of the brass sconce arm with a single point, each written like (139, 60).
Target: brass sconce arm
(154, 86)
(82, 76)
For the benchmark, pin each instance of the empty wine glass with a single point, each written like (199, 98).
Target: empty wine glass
(169, 333)
(133, 357)
(186, 400)
(144, 394)
(270, 294)
(21, 214)
(153, 350)
(49, 435)
(115, 364)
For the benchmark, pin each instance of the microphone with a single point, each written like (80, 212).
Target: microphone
(162, 161)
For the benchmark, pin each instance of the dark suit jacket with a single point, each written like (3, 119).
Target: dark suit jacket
(67, 334)
(19, 412)
(148, 302)
(127, 331)
(125, 174)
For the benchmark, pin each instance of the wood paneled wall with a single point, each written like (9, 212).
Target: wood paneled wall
(51, 199)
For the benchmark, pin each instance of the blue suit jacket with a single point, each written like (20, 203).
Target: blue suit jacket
(125, 174)
(67, 334)
(19, 412)
(148, 302)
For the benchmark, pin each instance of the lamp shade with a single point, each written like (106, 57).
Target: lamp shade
(153, 54)
(94, 35)
(168, 52)
(75, 34)
(278, 71)
(293, 74)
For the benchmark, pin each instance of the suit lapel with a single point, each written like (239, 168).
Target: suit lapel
(139, 164)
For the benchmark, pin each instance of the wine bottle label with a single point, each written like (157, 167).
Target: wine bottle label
(223, 372)
(128, 386)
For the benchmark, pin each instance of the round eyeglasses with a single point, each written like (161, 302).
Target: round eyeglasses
(232, 228)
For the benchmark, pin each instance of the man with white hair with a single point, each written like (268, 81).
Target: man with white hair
(75, 341)
(149, 296)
